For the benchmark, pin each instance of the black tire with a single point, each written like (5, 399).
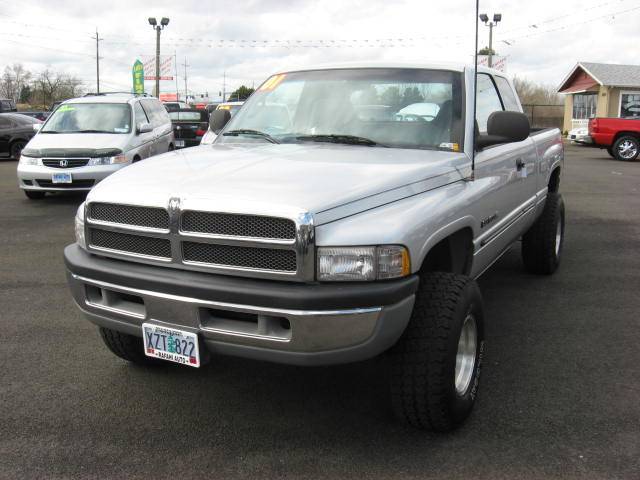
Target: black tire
(542, 244)
(423, 381)
(16, 148)
(34, 194)
(610, 152)
(127, 347)
(626, 148)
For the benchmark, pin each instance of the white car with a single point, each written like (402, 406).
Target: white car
(580, 135)
(86, 139)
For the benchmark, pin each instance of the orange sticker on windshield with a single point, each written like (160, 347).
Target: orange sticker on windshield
(273, 82)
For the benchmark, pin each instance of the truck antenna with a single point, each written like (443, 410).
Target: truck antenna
(475, 96)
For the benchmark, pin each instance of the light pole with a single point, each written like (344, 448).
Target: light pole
(154, 24)
(485, 19)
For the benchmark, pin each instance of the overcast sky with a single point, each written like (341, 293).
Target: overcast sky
(250, 39)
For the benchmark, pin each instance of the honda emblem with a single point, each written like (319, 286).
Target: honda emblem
(64, 163)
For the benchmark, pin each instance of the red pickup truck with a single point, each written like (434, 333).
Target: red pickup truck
(620, 136)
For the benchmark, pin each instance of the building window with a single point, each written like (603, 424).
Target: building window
(584, 105)
(630, 104)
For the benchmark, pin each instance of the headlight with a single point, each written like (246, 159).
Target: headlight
(208, 137)
(107, 160)
(28, 160)
(79, 226)
(340, 264)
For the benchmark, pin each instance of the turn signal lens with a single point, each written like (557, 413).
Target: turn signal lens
(393, 262)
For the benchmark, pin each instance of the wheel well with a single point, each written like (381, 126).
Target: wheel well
(554, 180)
(452, 254)
(171, 147)
(623, 134)
(136, 158)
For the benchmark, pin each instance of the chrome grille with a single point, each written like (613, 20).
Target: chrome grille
(65, 162)
(247, 257)
(125, 242)
(253, 226)
(129, 215)
(250, 245)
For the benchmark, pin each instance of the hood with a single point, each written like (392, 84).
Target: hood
(77, 142)
(267, 179)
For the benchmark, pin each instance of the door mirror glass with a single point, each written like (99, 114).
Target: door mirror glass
(145, 128)
(504, 127)
(218, 120)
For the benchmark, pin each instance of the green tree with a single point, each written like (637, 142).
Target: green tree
(486, 51)
(241, 93)
(391, 97)
(411, 95)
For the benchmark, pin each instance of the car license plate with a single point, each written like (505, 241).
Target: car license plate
(170, 344)
(61, 178)
(180, 143)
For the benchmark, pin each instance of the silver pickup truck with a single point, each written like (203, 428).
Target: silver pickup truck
(336, 217)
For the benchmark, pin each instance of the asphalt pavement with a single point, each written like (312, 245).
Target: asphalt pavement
(559, 394)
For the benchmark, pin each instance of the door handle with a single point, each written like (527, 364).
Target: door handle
(519, 164)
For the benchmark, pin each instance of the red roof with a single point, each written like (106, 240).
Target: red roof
(579, 81)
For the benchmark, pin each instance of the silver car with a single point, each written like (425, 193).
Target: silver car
(88, 138)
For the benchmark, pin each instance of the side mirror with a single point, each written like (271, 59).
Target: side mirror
(504, 127)
(37, 127)
(218, 120)
(145, 128)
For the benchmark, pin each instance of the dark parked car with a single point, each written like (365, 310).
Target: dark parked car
(7, 105)
(42, 116)
(15, 131)
(189, 126)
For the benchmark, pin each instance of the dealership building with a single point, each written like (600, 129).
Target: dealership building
(600, 90)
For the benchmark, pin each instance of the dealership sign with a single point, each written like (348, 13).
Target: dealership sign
(499, 63)
(138, 77)
(166, 67)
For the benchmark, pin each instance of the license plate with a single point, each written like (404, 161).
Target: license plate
(61, 178)
(170, 344)
(180, 143)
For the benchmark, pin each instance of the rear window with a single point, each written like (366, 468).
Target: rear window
(187, 116)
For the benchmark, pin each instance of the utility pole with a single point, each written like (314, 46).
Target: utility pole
(175, 71)
(154, 24)
(97, 39)
(224, 85)
(497, 17)
(185, 65)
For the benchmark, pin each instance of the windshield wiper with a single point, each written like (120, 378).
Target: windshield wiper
(89, 131)
(245, 131)
(50, 131)
(333, 138)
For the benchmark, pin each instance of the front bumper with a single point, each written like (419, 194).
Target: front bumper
(584, 139)
(31, 177)
(301, 324)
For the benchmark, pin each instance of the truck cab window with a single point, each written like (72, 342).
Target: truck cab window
(508, 96)
(488, 101)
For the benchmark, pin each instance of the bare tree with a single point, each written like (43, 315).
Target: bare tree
(50, 86)
(13, 80)
(532, 93)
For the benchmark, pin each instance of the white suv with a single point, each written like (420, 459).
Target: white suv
(88, 138)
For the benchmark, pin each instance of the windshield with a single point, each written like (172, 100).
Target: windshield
(90, 118)
(405, 108)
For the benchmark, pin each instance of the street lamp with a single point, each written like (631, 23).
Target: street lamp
(154, 24)
(497, 17)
